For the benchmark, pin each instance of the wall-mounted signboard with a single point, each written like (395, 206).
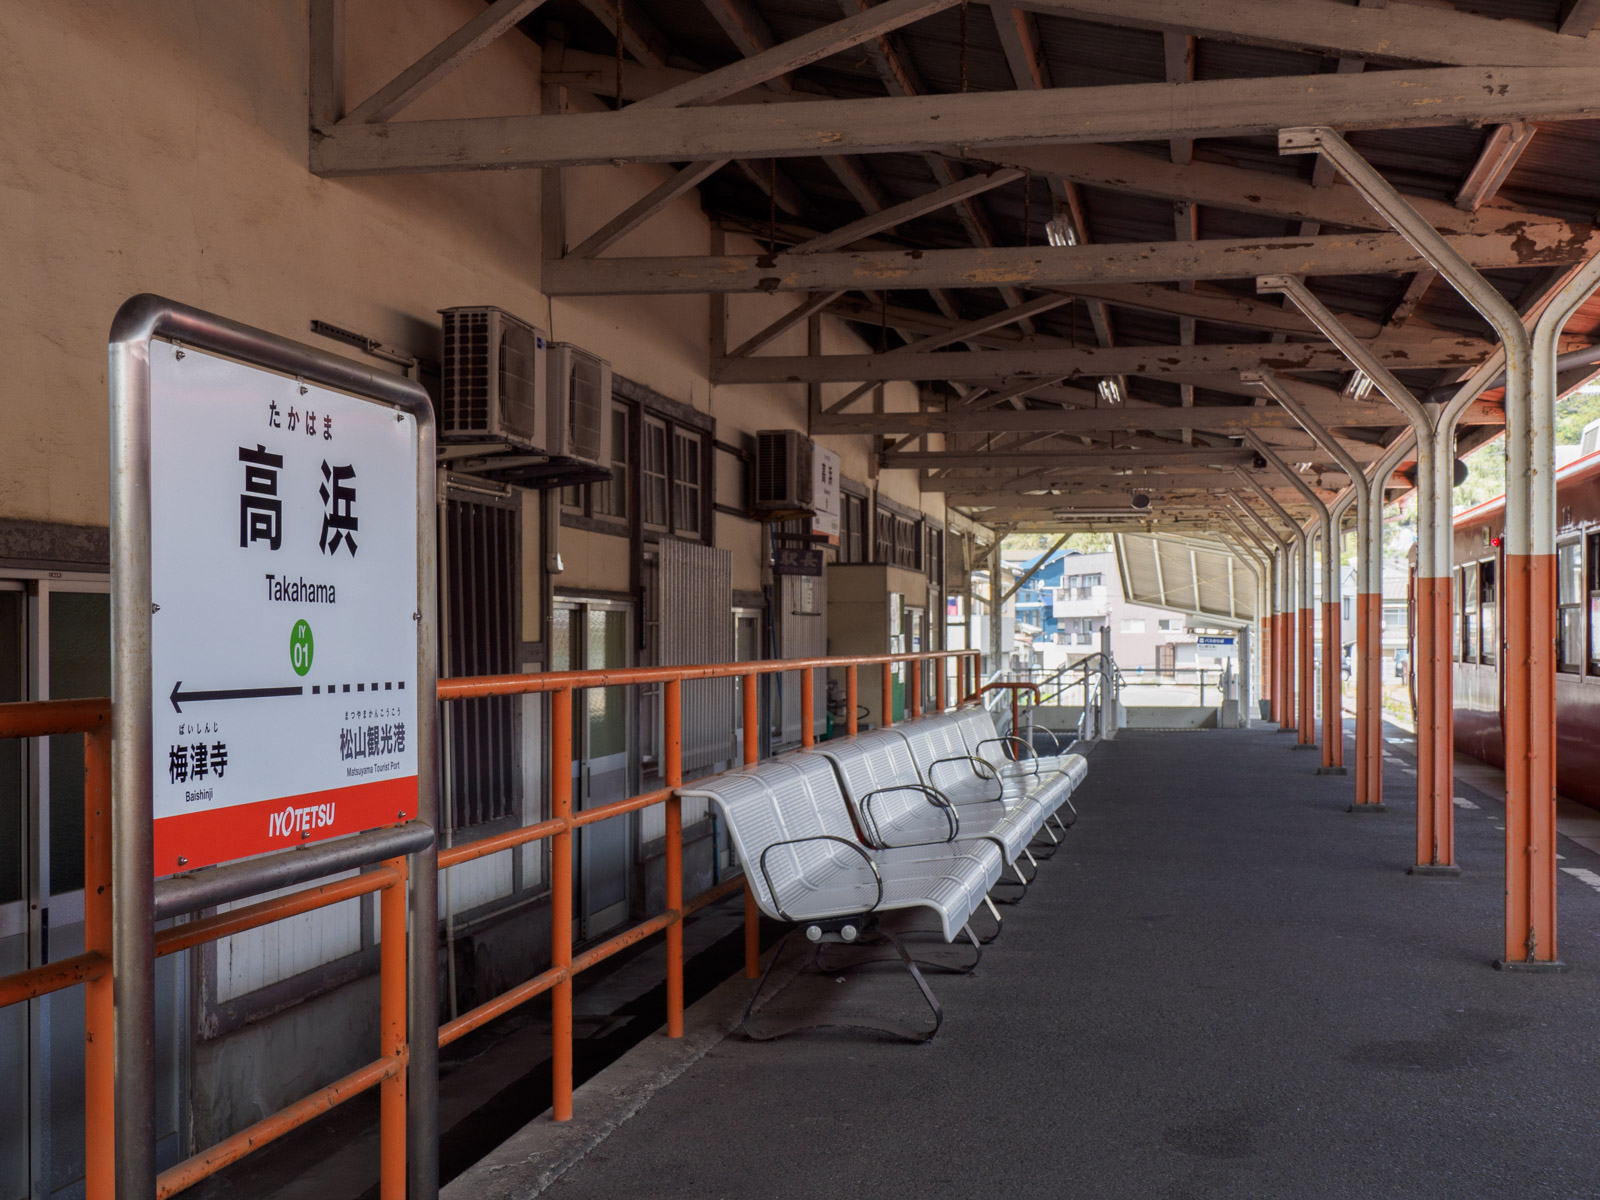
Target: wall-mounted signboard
(283, 584)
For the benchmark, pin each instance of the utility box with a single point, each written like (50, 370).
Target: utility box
(876, 608)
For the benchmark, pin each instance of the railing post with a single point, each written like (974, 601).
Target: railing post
(850, 722)
(886, 701)
(752, 914)
(98, 1062)
(808, 732)
(915, 689)
(938, 683)
(672, 722)
(561, 904)
(392, 1043)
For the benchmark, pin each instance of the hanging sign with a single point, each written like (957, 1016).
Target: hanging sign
(283, 582)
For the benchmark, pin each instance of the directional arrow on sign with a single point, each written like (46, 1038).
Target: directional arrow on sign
(234, 694)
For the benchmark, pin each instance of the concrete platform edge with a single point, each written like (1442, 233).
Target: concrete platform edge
(538, 1154)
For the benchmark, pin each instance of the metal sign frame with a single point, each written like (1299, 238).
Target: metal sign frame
(137, 898)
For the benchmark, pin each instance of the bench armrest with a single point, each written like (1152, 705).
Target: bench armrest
(820, 837)
(1049, 733)
(928, 793)
(1033, 756)
(984, 771)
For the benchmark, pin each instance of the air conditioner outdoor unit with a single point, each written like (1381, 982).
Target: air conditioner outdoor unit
(580, 399)
(493, 380)
(783, 483)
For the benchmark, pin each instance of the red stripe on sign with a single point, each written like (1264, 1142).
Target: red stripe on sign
(206, 837)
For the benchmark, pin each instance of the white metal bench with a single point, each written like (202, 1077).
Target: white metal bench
(791, 824)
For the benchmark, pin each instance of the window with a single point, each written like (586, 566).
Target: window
(1489, 612)
(610, 499)
(908, 543)
(852, 529)
(1569, 601)
(882, 536)
(1133, 625)
(1170, 623)
(1469, 613)
(688, 449)
(1455, 611)
(1344, 608)
(1594, 603)
(653, 473)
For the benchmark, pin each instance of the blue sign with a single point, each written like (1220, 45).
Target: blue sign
(1225, 642)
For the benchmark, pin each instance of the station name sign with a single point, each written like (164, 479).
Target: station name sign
(283, 581)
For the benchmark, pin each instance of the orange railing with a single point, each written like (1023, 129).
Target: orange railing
(92, 718)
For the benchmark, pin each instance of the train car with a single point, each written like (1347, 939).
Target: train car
(1478, 642)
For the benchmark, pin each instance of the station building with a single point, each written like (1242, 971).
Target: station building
(750, 331)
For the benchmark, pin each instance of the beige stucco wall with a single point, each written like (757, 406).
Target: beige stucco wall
(151, 146)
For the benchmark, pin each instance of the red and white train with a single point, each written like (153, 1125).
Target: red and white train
(1478, 645)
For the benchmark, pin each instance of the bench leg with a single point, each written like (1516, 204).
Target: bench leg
(908, 1035)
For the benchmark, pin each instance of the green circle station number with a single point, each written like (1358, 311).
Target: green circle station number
(300, 647)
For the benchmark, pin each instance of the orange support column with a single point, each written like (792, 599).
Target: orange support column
(850, 701)
(808, 702)
(98, 1063)
(1369, 703)
(886, 701)
(392, 1039)
(561, 905)
(1530, 604)
(672, 737)
(1307, 693)
(1332, 705)
(1435, 849)
(938, 683)
(752, 751)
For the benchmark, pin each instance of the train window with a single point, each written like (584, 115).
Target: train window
(1455, 613)
(1594, 603)
(1469, 618)
(1488, 612)
(1569, 611)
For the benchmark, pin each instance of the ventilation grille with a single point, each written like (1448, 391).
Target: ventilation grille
(492, 382)
(783, 472)
(587, 392)
(465, 383)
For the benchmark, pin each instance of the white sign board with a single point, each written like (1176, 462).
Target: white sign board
(283, 564)
(825, 493)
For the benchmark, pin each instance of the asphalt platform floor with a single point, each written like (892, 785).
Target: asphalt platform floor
(1224, 985)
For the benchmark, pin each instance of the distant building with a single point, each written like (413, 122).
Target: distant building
(1073, 596)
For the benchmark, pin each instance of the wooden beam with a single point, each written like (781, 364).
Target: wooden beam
(797, 52)
(1578, 17)
(1500, 153)
(1269, 193)
(914, 363)
(642, 209)
(981, 121)
(326, 67)
(876, 222)
(1399, 33)
(440, 61)
(1096, 459)
(1125, 262)
(640, 37)
(808, 306)
(1229, 420)
(1178, 49)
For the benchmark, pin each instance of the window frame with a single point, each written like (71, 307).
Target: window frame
(1577, 605)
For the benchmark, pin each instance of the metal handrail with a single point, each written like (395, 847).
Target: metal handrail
(92, 718)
